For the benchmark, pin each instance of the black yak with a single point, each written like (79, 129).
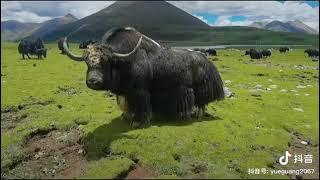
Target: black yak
(312, 53)
(24, 48)
(33, 48)
(150, 79)
(84, 44)
(211, 52)
(266, 53)
(249, 51)
(254, 54)
(283, 49)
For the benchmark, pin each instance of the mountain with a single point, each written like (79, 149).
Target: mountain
(303, 27)
(260, 25)
(151, 18)
(166, 23)
(12, 30)
(290, 26)
(48, 26)
(15, 30)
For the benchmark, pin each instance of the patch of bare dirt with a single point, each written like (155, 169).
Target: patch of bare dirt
(67, 90)
(300, 145)
(11, 115)
(10, 119)
(56, 154)
(139, 172)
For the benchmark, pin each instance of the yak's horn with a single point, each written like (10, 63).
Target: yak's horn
(69, 53)
(128, 54)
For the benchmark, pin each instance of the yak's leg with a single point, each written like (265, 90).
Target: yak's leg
(124, 107)
(28, 56)
(185, 102)
(140, 107)
(22, 56)
(199, 111)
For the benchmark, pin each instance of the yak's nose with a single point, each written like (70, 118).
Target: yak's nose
(95, 83)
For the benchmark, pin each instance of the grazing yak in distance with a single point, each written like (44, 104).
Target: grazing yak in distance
(254, 54)
(211, 52)
(312, 53)
(283, 49)
(33, 48)
(60, 45)
(148, 78)
(248, 52)
(84, 44)
(266, 53)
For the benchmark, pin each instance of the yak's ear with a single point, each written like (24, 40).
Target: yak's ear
(106, 53)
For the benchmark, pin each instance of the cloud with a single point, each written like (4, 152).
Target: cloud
(226, 21)
(24, 16)
(221, 10)
(254, 10)
(40, 11)
(201, 18)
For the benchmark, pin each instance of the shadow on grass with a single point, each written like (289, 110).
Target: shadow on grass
(97, 143)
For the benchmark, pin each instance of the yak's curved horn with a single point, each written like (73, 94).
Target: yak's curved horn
(69, 53)
(157, 44)
(128, 54)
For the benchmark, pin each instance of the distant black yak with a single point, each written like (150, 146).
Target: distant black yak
(283, 49)
(84, 44)
(211, 52)
(312, 53)
(33, 48)
(266, 53)
(254, 54)
(249, 51)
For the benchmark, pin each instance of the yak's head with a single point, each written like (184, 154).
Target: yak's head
(99, 58)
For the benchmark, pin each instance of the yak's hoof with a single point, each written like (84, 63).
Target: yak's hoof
(135, 124)
(140, 124)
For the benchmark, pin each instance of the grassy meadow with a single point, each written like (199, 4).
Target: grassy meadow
(273, 108)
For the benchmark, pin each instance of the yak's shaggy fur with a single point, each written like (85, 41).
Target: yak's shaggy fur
(153, 80)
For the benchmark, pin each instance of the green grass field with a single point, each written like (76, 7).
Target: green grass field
(274, 107)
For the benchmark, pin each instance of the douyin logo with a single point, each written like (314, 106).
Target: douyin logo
(283, 160)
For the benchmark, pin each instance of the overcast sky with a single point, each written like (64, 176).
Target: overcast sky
(215, 13)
